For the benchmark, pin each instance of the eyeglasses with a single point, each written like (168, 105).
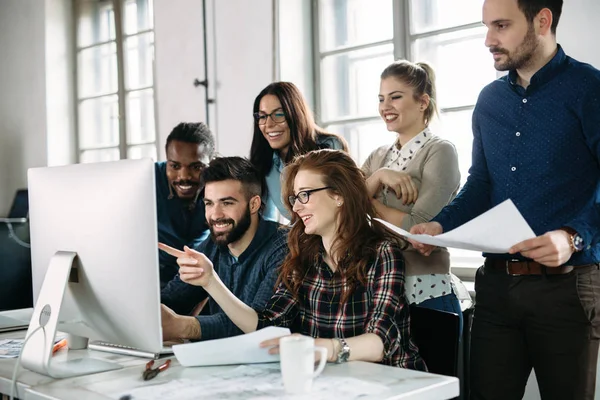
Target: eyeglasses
(304, 195)
(277, 116)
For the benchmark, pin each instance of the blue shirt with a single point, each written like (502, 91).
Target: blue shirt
(540, 147)
(178, 226)
(251, 279)
(274, 202)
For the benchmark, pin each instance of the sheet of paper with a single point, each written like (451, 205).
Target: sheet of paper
(494, 231)
(10, 348)
(253, 382)
(242, 349)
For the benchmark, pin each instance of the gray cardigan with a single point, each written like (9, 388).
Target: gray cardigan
(434, 170)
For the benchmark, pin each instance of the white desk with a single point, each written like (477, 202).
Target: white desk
(26, 379)
(403, 384)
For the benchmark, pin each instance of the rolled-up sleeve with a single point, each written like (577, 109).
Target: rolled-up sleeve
(281, 309)
(388, 316)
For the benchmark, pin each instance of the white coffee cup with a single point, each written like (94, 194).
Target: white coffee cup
(298, 363)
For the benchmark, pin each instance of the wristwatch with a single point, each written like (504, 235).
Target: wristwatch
(575, 239)
(344, 353)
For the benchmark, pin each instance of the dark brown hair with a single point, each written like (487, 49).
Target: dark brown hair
(303, 129)
(531, 8)
(358, 236)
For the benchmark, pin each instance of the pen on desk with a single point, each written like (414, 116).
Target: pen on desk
(59, 345)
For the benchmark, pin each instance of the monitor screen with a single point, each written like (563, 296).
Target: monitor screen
(106, 214)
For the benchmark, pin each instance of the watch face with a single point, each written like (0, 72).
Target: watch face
(578, 242)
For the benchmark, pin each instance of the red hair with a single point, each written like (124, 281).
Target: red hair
(358, 236)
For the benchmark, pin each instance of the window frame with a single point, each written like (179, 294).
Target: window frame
(122, 93)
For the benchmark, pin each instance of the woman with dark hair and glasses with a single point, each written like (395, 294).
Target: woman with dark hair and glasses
(342, 281)
(284, 127)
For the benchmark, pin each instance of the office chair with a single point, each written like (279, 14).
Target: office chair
(20, 205)
(15, 256)
(436, 333)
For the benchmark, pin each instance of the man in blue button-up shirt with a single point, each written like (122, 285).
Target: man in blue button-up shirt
(537, 142)
(244, 248)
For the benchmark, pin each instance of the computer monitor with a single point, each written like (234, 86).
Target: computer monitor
(94, 261)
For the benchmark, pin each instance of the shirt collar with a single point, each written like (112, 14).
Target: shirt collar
(278, 162)
(546, 73)
(263, 233)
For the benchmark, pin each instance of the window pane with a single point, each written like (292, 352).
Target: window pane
(139, 53)
(97, 70)
(456, 127)
(90, 156)
(99, 122)
(350, 82)
(458, 83)
(146, 150)
(363, 137)
(140, 117)
(95, 22)
(428, 15)
(354, 22)
(138, 15)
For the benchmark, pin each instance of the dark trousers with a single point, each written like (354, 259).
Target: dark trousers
(550, 323)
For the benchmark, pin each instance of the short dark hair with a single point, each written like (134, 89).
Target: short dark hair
(531, 8)
(237, 169)
(192, 132)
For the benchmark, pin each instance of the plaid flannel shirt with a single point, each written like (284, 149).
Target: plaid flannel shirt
(378, 307)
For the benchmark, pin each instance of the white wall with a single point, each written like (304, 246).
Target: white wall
(295, 46)
(244, 66)
(578, 29)
(22, 94)
(179, 59)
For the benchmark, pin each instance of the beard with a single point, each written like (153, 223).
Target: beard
(523, 54)
(238, 229)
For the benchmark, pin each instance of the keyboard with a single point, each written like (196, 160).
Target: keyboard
(129, 351)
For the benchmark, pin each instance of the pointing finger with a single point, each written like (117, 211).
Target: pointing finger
(170, 250)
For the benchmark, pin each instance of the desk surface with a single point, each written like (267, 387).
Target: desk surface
(27, 378)
(403, 384)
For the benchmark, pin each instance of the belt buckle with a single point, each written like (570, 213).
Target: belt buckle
(507, 263)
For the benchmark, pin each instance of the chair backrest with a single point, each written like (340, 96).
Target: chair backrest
(15, 266)
(436, 333)
(20, 205)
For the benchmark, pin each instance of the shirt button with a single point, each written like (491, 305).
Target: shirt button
(518, 133)
(513, 169)
(524, 100)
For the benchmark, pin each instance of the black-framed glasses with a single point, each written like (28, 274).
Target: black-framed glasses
(304, 195)
(277, 116)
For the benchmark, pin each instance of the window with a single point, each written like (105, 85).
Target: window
(115, 80)
(357, 39)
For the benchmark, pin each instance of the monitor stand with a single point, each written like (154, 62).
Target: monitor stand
(39, 341)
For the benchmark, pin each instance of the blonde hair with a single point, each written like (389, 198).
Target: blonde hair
(420, 77)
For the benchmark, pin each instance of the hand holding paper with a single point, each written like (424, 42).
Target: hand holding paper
(494, 231)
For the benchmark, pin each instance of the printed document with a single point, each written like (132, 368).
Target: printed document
(494, 231)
